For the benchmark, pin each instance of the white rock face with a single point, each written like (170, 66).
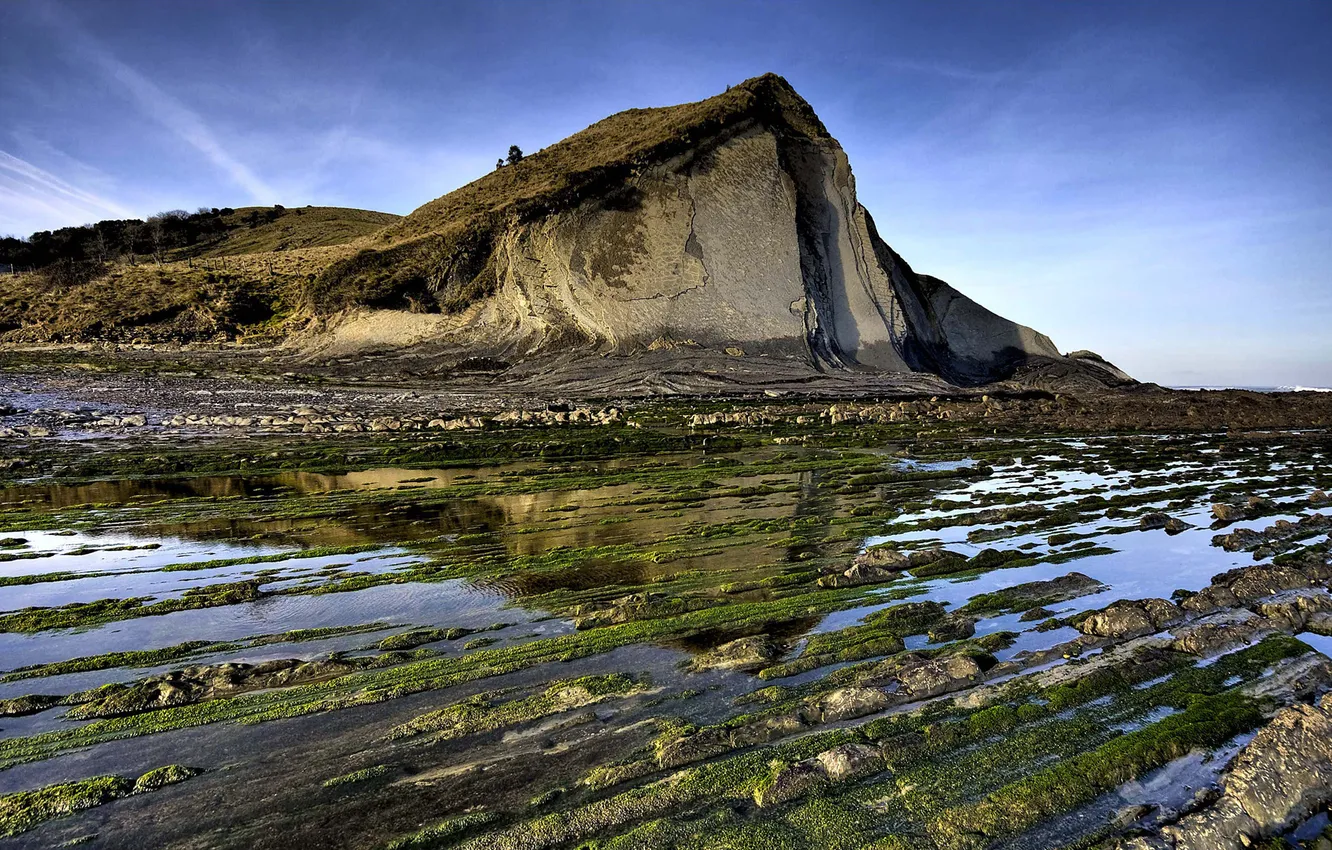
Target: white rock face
(751, 246)
(735, 249)
(752, 243)
(705, 251)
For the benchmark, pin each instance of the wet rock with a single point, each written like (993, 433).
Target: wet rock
(1318, 497)
(923, 678)
(857, 575)
(746, 654)
(788, 782)
(200, 683)
(1031, 615)
(1300, 679)
(1231, 511)
(1220, 633)
(1292, 609)
(850, 761)
(925, 557)
(767, 729)
(1280, 779)
(1129, 618)
(883, 557)
(1035, 594)
(908, 618)
(848, 704)
(27, 704)
(636, 606)
(1246, 584)
(1130, 815)
(164, 776)
(956, 627)
(688, 749)
(1239, 540)
(1279, 536)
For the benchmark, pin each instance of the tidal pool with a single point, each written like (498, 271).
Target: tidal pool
(555, 635)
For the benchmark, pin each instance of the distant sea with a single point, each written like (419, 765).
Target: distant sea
(1263, 389)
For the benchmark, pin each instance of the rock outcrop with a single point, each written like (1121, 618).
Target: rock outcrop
(1277, 781)
(1130, 618)
(727, 229)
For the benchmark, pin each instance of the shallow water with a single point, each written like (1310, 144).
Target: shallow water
(510, 549)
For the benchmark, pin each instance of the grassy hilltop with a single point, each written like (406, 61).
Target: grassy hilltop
(245, 272)
(308, 227)
(242, 276)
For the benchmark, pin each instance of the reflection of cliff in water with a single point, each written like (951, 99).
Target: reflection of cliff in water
(408, 510)
(783, 631)
(123, 492)
(355, 524)
(262, 486)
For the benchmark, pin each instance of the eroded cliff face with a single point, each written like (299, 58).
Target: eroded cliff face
(750, 241)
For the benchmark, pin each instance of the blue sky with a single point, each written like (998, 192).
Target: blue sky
(1152, 181)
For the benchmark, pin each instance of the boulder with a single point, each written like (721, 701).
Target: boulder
(926, 557)
(746, 654)
(937, 676)
(848, 704)
(1220, 633)
(766, 729)
(850, 761)
(1239, 540)
(1292, 609)
(955, 627)
(687, 749)
(859, 574)
(883, 557)
(1130, 618)
(788, 782)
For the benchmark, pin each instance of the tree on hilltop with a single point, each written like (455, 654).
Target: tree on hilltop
(515, 154)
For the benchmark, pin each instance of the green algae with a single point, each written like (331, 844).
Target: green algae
(161, 777)
(487, 713)
(83, 614)
(365, 774)
(180, 651)
(1207, 723)
(24, 810)
(374, 686)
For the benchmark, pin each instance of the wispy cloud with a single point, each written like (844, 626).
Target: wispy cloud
(44, 181)
(29, 193)
(162, 107)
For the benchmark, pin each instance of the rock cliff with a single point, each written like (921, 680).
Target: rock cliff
(730, 225)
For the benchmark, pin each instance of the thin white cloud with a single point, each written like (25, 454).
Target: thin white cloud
(32, 197)
(175, 116)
